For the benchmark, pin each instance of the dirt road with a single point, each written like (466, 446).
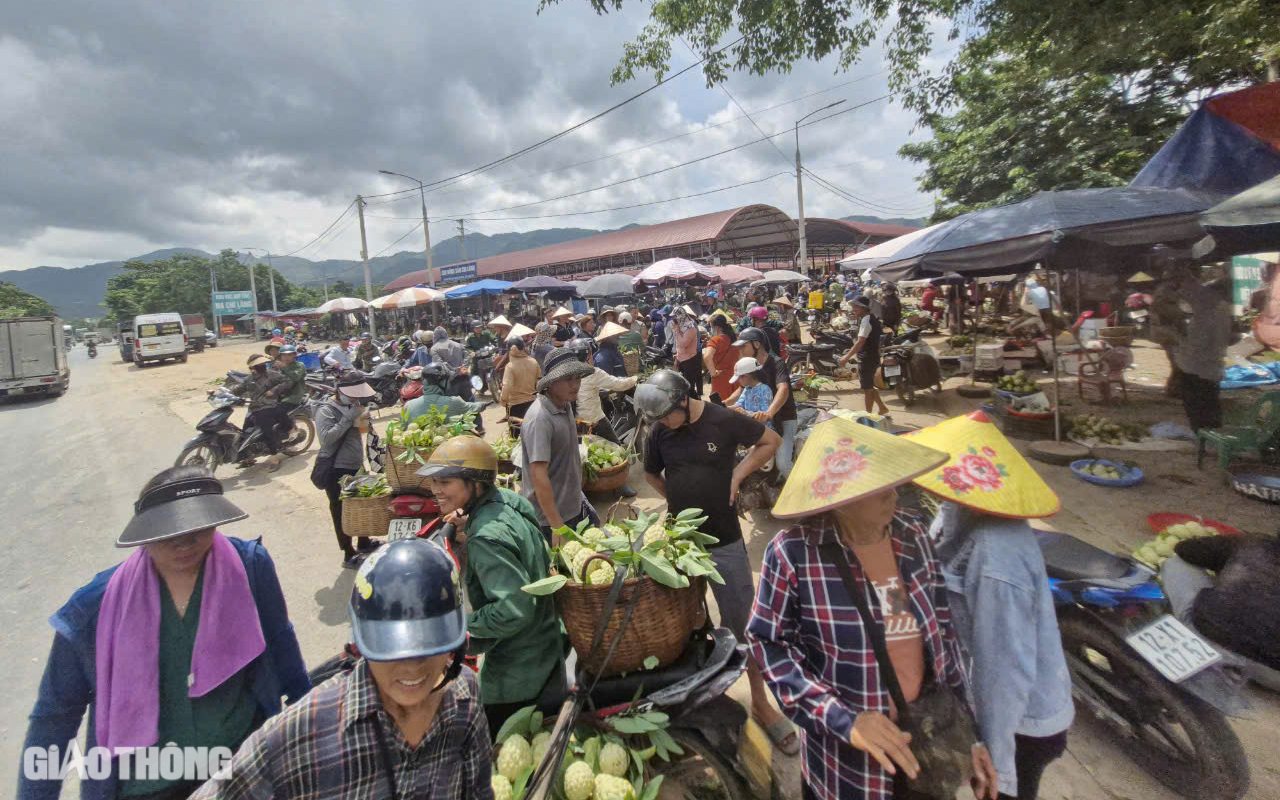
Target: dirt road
(73, 466)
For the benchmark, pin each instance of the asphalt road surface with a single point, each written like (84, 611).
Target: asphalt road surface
(73, 466)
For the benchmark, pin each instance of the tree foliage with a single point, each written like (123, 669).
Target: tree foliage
(16, 303)
(181, 284)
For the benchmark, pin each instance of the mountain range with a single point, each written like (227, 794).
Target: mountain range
(78, 291)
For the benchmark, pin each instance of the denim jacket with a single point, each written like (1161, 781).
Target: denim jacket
(70, 675)
(1005, 617)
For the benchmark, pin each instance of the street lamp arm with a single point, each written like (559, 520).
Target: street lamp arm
(817, 110)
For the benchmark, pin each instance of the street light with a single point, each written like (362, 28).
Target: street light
(271, 272)
(426, 232)
(804, 244)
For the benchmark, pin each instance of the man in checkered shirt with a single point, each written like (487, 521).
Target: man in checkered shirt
(406, 722)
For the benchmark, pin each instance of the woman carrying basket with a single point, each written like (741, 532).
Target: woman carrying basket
(852, 630)
(519, 634)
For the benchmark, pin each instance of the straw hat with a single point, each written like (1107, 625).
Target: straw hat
(561, 312)
(610, 329)
(782, 301)
(985, 472)
(500, 320)
(1140, 277)
(560, 364)
(843, 461)
(520, 330)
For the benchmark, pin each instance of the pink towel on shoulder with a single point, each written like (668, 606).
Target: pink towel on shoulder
(228, 638)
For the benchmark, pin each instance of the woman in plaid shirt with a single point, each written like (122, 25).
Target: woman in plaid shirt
(808, 636)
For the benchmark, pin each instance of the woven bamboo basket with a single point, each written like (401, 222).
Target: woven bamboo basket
(606, 480)
(1119, 336)
(631, 360)
(403, 475)
(366, 516)
(660, 624)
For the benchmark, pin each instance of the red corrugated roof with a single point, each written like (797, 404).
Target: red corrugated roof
(702, 228)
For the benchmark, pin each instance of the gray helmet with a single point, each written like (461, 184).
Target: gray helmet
(756, 335)
(663, 393)
(516, 342)
(437, 373)
(584, 346)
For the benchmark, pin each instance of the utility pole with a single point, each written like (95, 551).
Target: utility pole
(804, 244)
(253, 290)
(213, 306)
(364, 256)
(272, 270)
(325, 283)
(462, 231)
(426, 232)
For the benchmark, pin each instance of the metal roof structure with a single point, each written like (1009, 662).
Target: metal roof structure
(745, 235)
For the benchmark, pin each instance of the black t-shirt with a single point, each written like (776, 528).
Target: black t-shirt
(772, 369)
(699, 461)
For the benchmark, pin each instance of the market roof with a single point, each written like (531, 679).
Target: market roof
(722, 232)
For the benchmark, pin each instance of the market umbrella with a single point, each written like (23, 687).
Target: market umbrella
(736, 273)
(611, 284)
(675, 270)
(541, 283)
(780, 276)
(341, 304)
(1246, 223)
(408, 298)
(1095, 229)
(486, 286)
(872, 257)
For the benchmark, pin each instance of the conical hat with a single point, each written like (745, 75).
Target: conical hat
(843, 461)
(500, 320)
(610, 329)
(561, 312)
(1140, 277)
(520, 330)
(985, 472)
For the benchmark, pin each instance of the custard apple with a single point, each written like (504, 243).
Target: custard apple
(570, 549)
(614, 530)
(655, 533)
(602, 574)
(610, 787)
(579, 781)
(594, 536)
(613, 760)
(539, 745)
(514, 756)
(501, 787)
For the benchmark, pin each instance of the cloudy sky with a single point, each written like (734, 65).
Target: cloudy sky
(131, 126)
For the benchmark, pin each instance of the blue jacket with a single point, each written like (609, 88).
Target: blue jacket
(70, 675)
(1004, 616)
(609, 359)
(421, 357)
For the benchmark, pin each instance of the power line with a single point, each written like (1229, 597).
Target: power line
(326, 230)
(565, 132)
(831, 187)
(397, 241)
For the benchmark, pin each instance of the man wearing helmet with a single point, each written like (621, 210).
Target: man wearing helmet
(518, 633)
(365, 353)
(549, 446)
(405, 722)
(758, 317)
(692, 461)
(263, 388)
(753, 343)
(437, 378)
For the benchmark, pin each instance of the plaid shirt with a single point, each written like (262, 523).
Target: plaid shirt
(806, 635)
(325, 747)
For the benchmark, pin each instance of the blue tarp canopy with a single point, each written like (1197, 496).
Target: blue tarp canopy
(486, 286)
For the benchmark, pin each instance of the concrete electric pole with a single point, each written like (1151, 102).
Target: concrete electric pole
(426, 231)
(364, 256)
(462, 232)
(804, 244)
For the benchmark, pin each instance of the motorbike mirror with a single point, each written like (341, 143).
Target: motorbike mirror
(477, 383)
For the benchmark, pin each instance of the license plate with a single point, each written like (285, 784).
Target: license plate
(151, 346)
(890, 372)
(403, 528)
(1173, 648)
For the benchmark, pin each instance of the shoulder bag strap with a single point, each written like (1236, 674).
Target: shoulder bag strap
(834, 553)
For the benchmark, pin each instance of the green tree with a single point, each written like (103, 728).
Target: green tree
(343, 289)
(182, 284)
(16, 303)
(304, 297)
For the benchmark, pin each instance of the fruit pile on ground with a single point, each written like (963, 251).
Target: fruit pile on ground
(1019, 383)
(1106, 469)
(1154, 552)
(1089, 428)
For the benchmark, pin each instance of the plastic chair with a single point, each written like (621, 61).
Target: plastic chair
(1097, 376)
(1258, 426)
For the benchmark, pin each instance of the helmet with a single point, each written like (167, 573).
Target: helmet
(661, 394)
(468, 457)
(516, 342)
(625, 318)
(752, 335)
(366, 335)
(759, 312)
(289, 348)
(288, 329)
(584, 347)
(406, 603)
(275, 331)
(437, 373)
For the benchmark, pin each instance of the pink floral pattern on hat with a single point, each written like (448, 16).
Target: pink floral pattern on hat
(842, 463)
(974, 471)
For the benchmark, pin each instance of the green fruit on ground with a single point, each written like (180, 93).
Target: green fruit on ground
(514, 756)
(501, 787)
(614, 760)
(579, 781)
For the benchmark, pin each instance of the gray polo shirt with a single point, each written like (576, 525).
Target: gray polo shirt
(550, 434)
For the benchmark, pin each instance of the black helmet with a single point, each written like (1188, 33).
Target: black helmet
(663, 393)
(366, 335)
(584, 346)
(752, 335)
(438, 373)
(407, 603)
(515, 341)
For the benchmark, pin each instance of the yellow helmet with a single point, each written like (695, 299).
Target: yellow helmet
(466, 456)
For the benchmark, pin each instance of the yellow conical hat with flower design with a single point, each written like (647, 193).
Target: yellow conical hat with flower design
(985, 471)
(843, 460)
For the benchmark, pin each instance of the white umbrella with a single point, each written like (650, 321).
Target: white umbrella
(678, 270)
(408, 298)
(341, 304)
(780, 276)
(882, 253)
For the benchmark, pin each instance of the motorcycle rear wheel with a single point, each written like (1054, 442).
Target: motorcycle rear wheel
(1178, 739)
(199, 455)
(905, 388)
(300, 437)
(701, 771)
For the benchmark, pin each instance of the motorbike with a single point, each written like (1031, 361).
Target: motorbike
(412, 386)
(1154, 683)
(906, 365)
(385, 380)
(220, 441)
(93, 351)
(657, 357)
(482, 370)
(822, 358)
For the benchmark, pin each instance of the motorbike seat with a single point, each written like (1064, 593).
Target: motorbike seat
(1070, 559)
(622, 688)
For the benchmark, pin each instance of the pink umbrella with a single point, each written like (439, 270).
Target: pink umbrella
(675, 270)
(736, 273)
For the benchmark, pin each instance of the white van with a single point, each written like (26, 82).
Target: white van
(157, 337)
